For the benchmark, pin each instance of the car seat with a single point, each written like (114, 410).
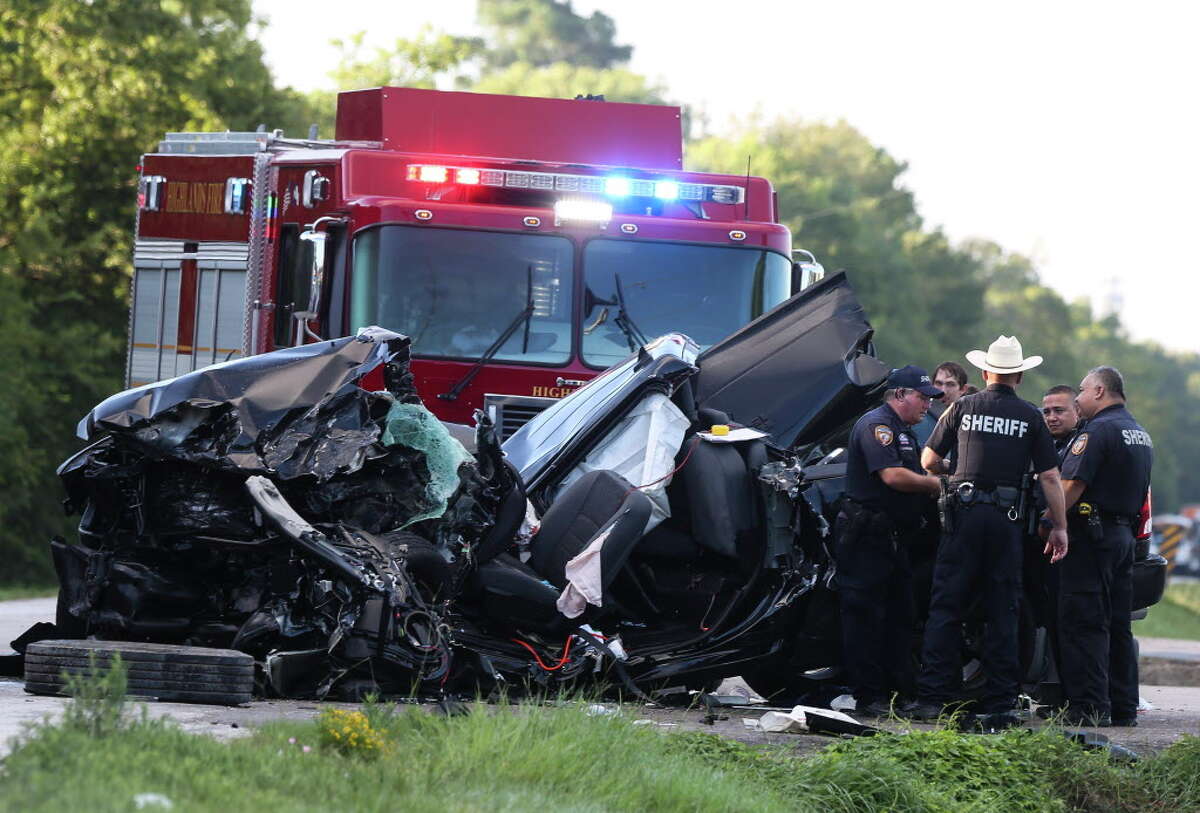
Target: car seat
(524, 594)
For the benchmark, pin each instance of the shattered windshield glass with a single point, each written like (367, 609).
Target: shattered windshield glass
(640, 289)
(454, 292)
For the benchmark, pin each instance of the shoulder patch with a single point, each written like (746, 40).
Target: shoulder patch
(884, 434)
(1080, 444)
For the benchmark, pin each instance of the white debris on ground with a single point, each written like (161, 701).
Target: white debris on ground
(795, 721)
(844, 702)
(737, 686)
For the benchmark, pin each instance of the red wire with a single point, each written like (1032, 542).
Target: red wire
(561, 661)
(672, 472)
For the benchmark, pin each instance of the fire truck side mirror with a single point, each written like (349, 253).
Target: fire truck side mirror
(317, 238)
(315, 233)
(316, 188)
(805, 270)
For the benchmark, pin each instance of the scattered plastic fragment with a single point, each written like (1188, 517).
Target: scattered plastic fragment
(809, 719)
(736, 687)
(844, 702)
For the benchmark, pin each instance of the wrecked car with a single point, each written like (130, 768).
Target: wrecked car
(661, 528)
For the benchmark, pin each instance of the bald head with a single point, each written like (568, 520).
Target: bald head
(1101, 388)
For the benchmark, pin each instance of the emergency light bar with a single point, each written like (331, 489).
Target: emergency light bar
(615, 186)
(596, 212)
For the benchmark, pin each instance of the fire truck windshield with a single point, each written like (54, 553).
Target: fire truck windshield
(455, 292)
(639, 288)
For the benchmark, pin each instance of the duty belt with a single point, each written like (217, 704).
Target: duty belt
(967, 493)
(1089, 510)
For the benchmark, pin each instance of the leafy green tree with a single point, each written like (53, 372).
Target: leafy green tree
(85, 89)
(565, 81)
(844, 199)
(423, 61)
(417, 63)
(543, 32)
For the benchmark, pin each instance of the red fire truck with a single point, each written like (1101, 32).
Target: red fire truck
(524, 244)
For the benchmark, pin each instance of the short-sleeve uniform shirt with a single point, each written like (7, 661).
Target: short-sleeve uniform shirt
(993, 435)
(880, 440)
(1113, 454)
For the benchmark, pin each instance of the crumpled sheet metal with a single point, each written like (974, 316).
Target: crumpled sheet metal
(798, 371)
(291, 412)
(414, 426)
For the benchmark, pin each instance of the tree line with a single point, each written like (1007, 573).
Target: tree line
(87, 88)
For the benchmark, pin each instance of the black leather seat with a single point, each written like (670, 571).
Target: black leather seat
(714, 502)
(510, 590)
(597, 501)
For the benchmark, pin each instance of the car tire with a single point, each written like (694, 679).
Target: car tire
(167, 672)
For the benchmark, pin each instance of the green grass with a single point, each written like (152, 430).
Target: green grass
(550, 759)
(1176, 616)
(14, 591)
(1185, 594)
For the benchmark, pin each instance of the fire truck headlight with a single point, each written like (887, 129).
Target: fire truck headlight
(617, 187)
(427, 173)
(666, 190)
(582, 211)
(468, 177)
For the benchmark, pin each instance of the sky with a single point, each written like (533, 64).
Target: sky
(1067, 131)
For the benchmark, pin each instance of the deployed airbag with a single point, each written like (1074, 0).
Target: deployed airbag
(642, 449)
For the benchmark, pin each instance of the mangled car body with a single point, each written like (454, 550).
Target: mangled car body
(303, 507)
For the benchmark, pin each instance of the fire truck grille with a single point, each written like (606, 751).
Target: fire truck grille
(511, 412)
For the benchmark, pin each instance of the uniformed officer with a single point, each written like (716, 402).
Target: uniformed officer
(886, 495)
(994, 436)
(1061, 415)
(1106, 473)
(1041, 579)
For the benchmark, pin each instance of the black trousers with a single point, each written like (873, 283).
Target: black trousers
(1099, 667)
(981, 558)
(874, 579)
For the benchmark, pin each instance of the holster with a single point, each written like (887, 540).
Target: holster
(861, 520)
(856, 520)
(946, 504)
(1090, 515)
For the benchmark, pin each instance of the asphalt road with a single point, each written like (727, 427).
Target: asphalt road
(1176, 709)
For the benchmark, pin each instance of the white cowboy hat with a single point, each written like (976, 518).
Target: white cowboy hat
(1003, 356)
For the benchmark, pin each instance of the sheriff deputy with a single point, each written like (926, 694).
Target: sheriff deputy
(886, 494)
(1106, 474)
(994, 436)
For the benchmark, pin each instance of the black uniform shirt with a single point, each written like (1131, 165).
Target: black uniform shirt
(880, 440)
(994, 435)
(1113, 455)
(1061, 445)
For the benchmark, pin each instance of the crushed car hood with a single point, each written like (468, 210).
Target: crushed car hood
(292, 412)
(799, 371)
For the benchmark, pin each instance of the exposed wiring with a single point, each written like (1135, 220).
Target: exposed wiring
(672, 472)
(711, 602)
(561, 661)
